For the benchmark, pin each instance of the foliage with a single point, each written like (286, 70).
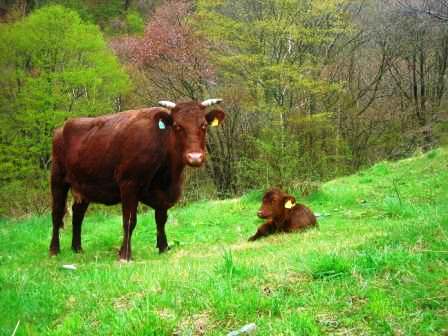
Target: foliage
(134, 22)
(53, 67)
(312, 89)
(104, 13)
(274, 50)
(366, 271)
(394, 71)
(170, 59)
(274, 46)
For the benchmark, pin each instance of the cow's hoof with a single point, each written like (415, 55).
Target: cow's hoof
(77, 249)
(124, 261)
(122, 255)
(251, 239)
(164, 249)
(53, 252)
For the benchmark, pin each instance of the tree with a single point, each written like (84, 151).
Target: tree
(53, 67)
(437, 9)
(170, 60)
(415, 47)
(393, 74)
(280, 51)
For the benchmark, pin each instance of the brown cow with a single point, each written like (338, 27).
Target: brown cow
(127, 157)
(282, 214)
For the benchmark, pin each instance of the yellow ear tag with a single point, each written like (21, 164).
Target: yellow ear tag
(215, 122)
(289, 204)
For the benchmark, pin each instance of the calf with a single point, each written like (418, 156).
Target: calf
(282, 214)
(127, 157)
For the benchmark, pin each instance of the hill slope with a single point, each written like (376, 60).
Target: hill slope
(378, 265)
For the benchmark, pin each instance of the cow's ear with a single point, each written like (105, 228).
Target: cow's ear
(215, 117)
(163, 120)
(289, 202)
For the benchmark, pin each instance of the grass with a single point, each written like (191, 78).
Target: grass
(378, 265)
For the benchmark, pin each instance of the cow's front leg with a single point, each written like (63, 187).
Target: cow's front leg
(79, 210)
(129, 201)
(264, 230)
(161, 217)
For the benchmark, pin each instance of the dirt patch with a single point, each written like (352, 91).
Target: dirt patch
(196, 325)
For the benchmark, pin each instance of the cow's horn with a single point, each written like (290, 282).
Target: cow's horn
(167, 103)
(210, 102)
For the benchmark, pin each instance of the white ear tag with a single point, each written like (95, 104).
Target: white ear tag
(161, 124)
(289, 204)
(215, 122)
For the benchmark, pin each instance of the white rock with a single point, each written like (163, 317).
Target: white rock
(247, 329)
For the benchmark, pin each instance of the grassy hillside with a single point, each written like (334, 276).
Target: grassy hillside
(377, 266)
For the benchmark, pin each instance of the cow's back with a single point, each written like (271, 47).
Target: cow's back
(88, 148)
(302, 217)
(95, 151)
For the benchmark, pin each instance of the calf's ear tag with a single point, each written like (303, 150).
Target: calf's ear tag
(215, 122)
(161, 124)
(289, 204)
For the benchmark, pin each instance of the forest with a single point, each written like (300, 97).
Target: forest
(312, 89)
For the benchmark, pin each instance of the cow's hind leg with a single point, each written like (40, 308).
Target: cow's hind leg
(161, 217)
(79, 209)
(59, 190)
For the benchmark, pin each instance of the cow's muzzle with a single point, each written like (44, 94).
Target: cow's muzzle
(262, 214)
(195, 158)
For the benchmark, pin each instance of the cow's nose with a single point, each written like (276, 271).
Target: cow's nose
(195, 158)
(260, 213)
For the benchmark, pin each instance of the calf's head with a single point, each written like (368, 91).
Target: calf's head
(275, 203)
(189, 122)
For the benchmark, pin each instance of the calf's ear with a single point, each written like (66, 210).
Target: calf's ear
(289, 202)
(163, 120)
(215, 117)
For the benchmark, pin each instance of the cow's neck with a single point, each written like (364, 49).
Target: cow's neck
(176, 163)
(280, 219)
(177, 169)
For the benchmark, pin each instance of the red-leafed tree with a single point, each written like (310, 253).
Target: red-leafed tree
(170, 60)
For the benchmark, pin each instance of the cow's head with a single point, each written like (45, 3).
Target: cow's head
(189, 122)
(275, 203)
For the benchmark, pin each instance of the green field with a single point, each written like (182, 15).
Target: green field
(378, 265)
